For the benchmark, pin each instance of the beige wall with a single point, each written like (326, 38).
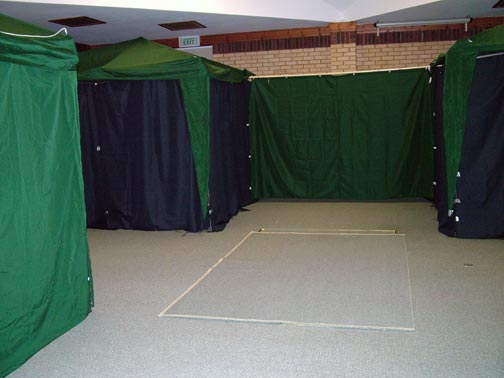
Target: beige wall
(279, 62)
(337, 58)
(398, 55)
(343, 58)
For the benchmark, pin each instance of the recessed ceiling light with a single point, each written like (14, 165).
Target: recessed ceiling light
(78, 21)
(184, 25)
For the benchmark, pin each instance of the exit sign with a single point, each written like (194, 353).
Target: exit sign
(189, 41)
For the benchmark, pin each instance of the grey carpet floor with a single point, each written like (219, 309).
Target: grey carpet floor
(459, 311)
(310, 279)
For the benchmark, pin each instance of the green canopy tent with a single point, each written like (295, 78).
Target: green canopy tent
(468, 85)
(45, 275)
(140, 59)
(460, 62)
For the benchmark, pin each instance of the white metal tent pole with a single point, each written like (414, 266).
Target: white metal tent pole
(62, 30)
(490, 55)
(481, 57)
(336, 73)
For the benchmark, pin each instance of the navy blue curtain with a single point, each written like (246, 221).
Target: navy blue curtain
(446, 223)
(137, 159)
(230, 151)
(478, 211)
(480, 187)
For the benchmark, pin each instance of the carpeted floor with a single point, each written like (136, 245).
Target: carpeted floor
(307, 279)
(459, 309)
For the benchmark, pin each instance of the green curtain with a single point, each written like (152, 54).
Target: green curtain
(196, 92)
(459, 68)
(365, 136)
(45, 274)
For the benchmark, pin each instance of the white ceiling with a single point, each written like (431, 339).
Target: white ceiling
(126, 20)
(446, 9)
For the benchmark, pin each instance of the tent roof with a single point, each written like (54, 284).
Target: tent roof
(490, 37)
(35, 46)
(13, 25)
(140, 59)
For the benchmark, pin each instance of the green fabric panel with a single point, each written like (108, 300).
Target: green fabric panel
(45, 275)
(223, 72)
(459, 67)
(196, 92)
(365, 136)
(57, 52)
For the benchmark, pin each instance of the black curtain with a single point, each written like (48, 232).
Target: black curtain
(230, 151)
(446, 223)
(479, 208)
(137, 160)
(480, 187)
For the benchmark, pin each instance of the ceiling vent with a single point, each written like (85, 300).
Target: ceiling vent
(78, 21)
(184, 25)
(500, 4)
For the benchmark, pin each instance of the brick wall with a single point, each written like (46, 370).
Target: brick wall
(338, 47)
(279, 62)
(397, 55)
(337, 58)
(343, 57)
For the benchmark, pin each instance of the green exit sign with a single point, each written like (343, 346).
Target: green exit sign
(189, 41)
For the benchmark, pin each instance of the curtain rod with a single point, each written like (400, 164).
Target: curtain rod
(336, 73)
(426, 22)
(379, 25)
